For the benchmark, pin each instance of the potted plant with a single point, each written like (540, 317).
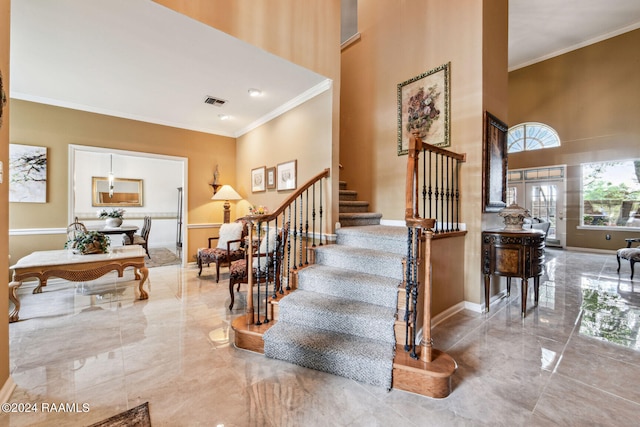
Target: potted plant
(90, 242)
(113, 217)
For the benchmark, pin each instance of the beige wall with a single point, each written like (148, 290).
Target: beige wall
(56, 128)
(4, 195)
(306, 33)
(590, 97)
(400, 40)
(312, 120)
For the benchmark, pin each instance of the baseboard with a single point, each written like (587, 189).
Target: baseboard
(447, 313)
(7, 390)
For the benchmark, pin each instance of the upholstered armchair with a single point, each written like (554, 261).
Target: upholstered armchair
(229, 247)
(267, 262)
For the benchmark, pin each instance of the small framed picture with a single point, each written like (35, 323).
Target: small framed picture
(258, 179)
(271, 178)
(286, 175)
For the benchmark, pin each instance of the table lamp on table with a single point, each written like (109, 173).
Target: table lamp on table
(226, 193)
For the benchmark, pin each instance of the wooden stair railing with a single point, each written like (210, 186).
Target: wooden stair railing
(303, 213)
(439, 179)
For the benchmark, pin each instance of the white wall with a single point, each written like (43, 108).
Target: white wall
(161, 178)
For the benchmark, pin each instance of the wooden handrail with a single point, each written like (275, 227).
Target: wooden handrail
(266, 218)
(272, 215)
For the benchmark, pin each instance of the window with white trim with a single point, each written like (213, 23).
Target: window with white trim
(611, 194)
(531, 136)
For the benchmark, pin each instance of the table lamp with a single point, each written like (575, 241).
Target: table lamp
(226, 193)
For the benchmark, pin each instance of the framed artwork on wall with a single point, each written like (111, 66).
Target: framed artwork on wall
(258, 179)
(423, 107)
(27, 174)
(286, 175)
(271, 178)
(494, 164)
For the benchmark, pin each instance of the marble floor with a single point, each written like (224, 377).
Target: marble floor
(573, 361)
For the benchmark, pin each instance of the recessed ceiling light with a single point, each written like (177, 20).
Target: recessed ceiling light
(224, 117)
(255, 92)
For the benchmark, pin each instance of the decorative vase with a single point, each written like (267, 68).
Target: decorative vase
(514, 216)
(113, 222)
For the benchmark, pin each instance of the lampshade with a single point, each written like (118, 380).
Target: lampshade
(226, 192)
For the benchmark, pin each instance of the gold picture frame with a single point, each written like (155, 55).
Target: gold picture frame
(125, 192)
(423, 106)
(271, 178)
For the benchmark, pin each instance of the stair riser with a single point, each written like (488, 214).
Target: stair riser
(348, 195)
(335, 363)
(367, 241)
(346, 288)
(354, 222)
(351, 208)
(361, 326)
(389, 266)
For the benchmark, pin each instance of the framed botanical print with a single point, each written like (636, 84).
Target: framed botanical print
(286, 175)
(258, 179)
(494, 164)
(271, 178)
(423, 107)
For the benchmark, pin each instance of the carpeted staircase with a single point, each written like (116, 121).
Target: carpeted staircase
(341, 318)
(353, 211)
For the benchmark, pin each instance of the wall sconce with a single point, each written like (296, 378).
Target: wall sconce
(214, 184)
(226, 193)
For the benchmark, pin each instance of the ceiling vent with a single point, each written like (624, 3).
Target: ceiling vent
(214, 101)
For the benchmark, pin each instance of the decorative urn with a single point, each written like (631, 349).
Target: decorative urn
(514, 216)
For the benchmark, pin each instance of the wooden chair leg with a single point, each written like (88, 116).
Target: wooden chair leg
(618, 257)
(231, 293)
(217, 271)
(632, 263)
(199, 264)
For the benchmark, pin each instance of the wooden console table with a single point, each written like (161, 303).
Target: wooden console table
(513, 253)
(77, 268)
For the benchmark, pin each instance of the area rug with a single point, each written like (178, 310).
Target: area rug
(161, 257)
(138, 417)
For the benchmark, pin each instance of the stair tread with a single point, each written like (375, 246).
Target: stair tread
(357, 251)
(323, 302)
(322, 340)
(350, 276)
(360, 215)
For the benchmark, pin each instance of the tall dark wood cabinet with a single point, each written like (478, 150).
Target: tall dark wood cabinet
(513, 253)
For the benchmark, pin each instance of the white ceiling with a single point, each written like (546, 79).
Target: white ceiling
(139, 60)
(542, 29)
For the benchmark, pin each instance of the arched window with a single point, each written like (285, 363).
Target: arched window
(531, 136)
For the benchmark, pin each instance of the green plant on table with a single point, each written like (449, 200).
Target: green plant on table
(90, 242)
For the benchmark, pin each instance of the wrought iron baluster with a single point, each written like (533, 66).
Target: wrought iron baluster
(301, 250)
(313, 215)
(447, 211)
(457, 195)
(407, 286)
(321, 186)
(295, 232)
(437, 193)
(424, 183)
(430, 188)
(289, 251)
(306, 227)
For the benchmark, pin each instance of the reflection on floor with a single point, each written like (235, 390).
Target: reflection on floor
(574, 360)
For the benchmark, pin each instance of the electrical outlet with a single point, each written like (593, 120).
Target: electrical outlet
(608, 237)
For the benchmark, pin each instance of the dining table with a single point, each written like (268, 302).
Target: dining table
(129, 230)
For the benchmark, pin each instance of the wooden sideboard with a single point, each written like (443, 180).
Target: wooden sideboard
(513, 253)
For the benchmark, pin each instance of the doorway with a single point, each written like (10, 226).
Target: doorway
(541, 191)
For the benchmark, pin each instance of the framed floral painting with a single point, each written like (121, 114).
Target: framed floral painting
(423, 107)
